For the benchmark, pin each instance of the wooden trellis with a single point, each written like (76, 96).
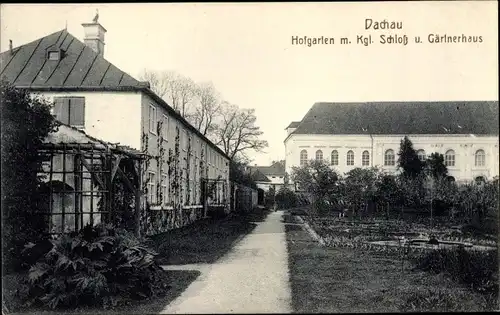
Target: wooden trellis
(214, 192)
(79, 182)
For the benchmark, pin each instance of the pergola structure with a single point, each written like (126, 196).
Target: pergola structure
(88, 181)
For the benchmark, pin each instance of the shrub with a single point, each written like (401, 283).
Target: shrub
(285, 199)
(26, 122)
(96, 266)
(478, 269)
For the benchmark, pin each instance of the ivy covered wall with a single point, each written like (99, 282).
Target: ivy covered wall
(172, 177)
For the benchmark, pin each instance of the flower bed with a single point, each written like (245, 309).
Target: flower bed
(342, 232)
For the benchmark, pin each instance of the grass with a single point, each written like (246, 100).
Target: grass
(204, 241)
(177, 280)
(352, 280)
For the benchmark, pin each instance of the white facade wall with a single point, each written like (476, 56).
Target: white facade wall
(465, 147)
(123, 117)
(110, 116)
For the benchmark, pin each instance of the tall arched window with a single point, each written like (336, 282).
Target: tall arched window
(365, 158)
(449, 158)
(480, 158)
(350, 158)
(335, 157)
(319, 155)
(421, 155)
(303, 157)
(389, 158)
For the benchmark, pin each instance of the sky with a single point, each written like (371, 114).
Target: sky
(246, 50)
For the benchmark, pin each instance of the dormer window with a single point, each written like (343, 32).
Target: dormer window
(54, 55)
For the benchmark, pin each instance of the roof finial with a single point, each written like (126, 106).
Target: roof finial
(96, 17)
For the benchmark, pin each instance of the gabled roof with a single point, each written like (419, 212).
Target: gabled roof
(293, 124)
(460, 117)
(275, 169)
(27, 66)
(259, 177)
(79, 69)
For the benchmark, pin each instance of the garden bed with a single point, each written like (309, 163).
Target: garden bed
(347, 280)
(340, 229)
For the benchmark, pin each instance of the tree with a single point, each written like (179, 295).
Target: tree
(207, 109)
(435, 166)
(238, 173)
(156, 81)
(236, 132)
(361, 186)
(388, 193)
(26, 122)
(317, 178)
(176, 89)
(408, 160)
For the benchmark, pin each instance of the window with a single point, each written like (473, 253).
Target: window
(70, 110)
(449, 158)
(303, 157)
(421, 155)
(164, 188)
(185, 140)
(365, 158)
(350, 158)
(389, 158)
(54, 55)
(151, 187)
(152, 119)
(335, 157)
(480, 158)
(319, 155)
(164, 128)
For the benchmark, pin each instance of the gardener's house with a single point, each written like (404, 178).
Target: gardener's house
(350, 135)
(185, 172)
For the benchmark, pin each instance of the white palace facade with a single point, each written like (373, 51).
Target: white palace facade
(351, 135)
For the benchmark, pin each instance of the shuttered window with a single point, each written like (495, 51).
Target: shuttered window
(70, 110)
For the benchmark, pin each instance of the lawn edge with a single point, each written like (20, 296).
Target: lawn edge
(311, 231)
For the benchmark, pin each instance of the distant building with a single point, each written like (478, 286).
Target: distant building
(93, 95)
(269, 176)
(350, 135)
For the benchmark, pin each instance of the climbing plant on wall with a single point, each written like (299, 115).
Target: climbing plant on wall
(144, 183)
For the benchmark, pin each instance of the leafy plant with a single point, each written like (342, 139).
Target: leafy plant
(478, 269)
(408, 161)
(285, 199)
(435, 165)
(26, 122)
(96, 266)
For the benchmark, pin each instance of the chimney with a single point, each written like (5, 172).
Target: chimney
(94, 35)
(10, 45)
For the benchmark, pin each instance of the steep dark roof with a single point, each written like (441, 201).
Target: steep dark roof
(27, 66)
(293, 124)
(275, 169)
(79, 69)
(259, 177)
(460, 117)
